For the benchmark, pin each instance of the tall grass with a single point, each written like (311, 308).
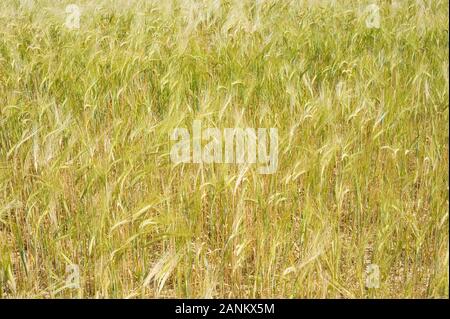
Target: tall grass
(86, 176)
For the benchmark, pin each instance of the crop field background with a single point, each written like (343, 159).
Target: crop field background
(91, 205)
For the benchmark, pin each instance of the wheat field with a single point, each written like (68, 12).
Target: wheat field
(87, 186)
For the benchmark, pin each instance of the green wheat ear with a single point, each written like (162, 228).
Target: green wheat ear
(89, 98)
